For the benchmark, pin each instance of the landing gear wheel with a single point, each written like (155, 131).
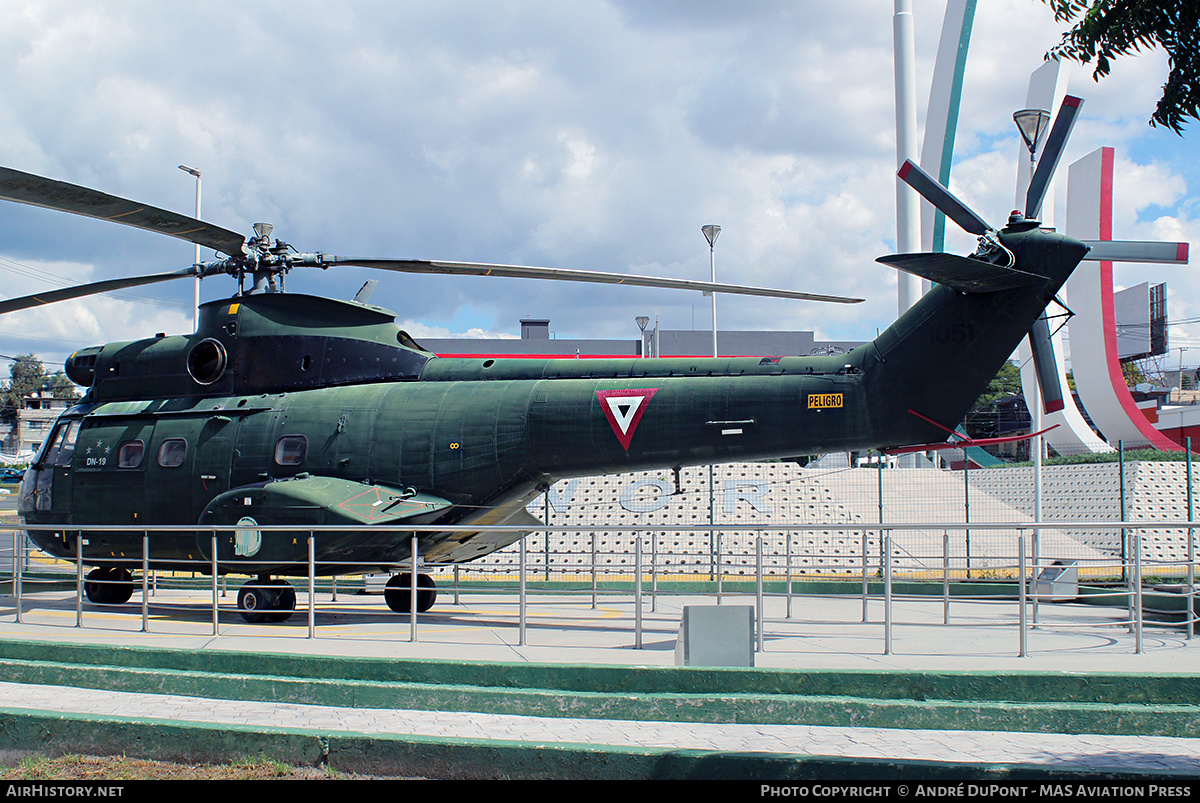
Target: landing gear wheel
(398, 589)
(285, 601)
(108, 586)
(254, 603)
(265, 600)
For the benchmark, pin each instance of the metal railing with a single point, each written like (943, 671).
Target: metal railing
(774, 572)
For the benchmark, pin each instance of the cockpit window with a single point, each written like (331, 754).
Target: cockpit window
(291, 450)
(62, 444)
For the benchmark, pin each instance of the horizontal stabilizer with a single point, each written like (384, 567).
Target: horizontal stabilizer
(966, 443)
(1135, 251)
(961, 273)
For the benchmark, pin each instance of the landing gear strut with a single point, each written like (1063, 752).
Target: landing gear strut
(108, 586)
(399, 588)
(266, 600)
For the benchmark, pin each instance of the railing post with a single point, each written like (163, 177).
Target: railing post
(716, 537)
(945, 577)
(18, 569)
(79, 578)
(1137, 593)
(312, 585)
(758, 614)
(521, 582)
(1023, 584)
(1121, 471)
(887, 593)
(1191, 546)
(967, 507)
(414, 550)
(456, 588)
(787, 550)
(215, 567)
(1034, 554)
(866, 545)
(594, 587)
(637, 593)
(653, 572)
(145, 581)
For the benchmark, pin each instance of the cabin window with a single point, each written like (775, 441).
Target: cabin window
(130, 454)
(172, 452)
(291, 450)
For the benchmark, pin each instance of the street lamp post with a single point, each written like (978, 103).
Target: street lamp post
(710, 233)
(1032, 125)
(196, 259)
(642, 320)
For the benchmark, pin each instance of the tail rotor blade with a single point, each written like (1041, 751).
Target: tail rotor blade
(945, 201)
(1137, 251)
(1051, 153)
(1044, 363)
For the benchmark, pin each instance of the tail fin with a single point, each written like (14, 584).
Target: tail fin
(941, 354)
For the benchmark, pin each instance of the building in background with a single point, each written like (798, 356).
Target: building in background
(537, 340)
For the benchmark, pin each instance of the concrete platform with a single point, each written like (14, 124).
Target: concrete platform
(823, 634)
(823, 631)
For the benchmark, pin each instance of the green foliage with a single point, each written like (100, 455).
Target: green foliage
(1105, 29)
(1131, 455)
(27, 376)
(61, 386)
(1006, 382)
(1132, 373)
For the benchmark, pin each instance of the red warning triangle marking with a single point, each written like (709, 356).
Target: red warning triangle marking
(624, 409)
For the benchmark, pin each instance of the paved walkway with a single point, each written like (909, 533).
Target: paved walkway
(1113, 753)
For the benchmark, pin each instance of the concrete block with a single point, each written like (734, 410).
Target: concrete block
(716, 635)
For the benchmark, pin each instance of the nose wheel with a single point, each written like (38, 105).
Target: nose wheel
(266, 600)
(399, 588)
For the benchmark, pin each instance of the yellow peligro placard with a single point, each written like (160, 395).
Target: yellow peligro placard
(823, 401)
(233, 308)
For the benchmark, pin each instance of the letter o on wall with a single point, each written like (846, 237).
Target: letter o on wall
(629, 495)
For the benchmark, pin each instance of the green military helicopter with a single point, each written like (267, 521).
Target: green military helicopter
(288, 409)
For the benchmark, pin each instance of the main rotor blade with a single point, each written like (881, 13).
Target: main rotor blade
(79, 291)
(26, 188)
(565, 275)
(1051, 153)
(1136, 251)
(945, 201)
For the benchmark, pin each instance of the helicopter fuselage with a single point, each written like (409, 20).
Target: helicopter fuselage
(471, 440)
(300, 411)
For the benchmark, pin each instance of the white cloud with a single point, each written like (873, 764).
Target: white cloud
(586, 135)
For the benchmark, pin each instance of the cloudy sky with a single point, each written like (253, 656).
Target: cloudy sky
(591, 134)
